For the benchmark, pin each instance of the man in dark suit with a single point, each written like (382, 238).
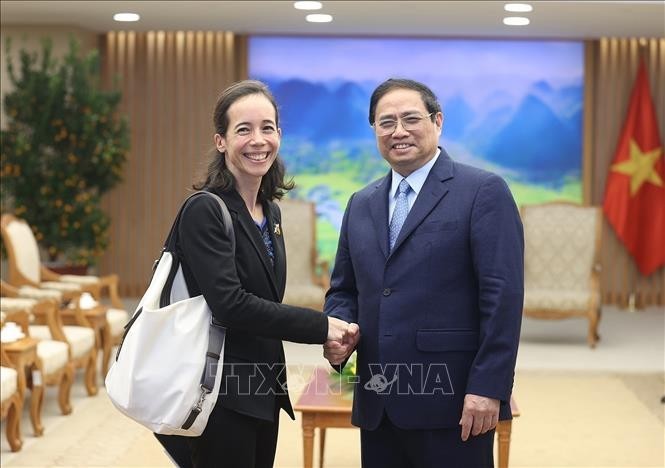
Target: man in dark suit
(430, 266)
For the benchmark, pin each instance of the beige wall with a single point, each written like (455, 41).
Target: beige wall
(29, 37)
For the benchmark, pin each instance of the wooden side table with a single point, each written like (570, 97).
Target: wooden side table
(23, 353)
(503, 431)
(324, 405)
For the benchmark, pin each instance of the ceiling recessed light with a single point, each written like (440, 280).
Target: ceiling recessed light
(126, 17)
(516, 21)
(518, 7)
(319, 18)
(307, 5)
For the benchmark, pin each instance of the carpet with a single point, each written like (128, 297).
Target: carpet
(568, 419)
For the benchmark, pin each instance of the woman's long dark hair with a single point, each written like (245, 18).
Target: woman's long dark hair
(218, 176)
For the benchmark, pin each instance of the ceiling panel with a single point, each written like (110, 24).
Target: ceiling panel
(549, 19)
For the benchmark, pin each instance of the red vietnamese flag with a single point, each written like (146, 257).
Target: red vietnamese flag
(635, 190)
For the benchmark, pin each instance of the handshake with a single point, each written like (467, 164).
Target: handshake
(342, 340)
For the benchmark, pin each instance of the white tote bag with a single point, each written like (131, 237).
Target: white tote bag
(168, 368)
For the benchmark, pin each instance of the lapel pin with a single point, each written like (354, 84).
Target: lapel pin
(278, 230)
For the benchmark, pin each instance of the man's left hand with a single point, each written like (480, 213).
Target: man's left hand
(479, 415)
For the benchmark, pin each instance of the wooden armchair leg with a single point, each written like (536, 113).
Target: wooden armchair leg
(14, 424)
(91, 374)
(36, 402)
(110, 282)
(65, 389)
(107, 346)
(592, 335)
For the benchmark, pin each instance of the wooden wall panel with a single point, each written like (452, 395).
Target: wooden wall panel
(170, 82)
(611, 70)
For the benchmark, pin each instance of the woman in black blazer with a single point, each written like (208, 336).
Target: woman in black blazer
(244, 290)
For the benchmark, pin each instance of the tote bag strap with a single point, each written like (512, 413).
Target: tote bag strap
(172, 239)
(216, 336)
(216, 332)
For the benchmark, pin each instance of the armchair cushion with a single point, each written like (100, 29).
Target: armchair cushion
(303, 285)
(82, 280)
(53, 354)
(36, 293)
(117, 319)
(559, 247)
(298, 294)
(62, 287)
(548, 299)
(25, 249)
(81, 339)
(10, 304)
(8, 382)
(299, 223)
(39, 332)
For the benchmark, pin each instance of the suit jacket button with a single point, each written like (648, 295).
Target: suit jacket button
(387, 292)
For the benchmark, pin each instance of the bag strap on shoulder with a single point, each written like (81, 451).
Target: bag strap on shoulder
(172, 238)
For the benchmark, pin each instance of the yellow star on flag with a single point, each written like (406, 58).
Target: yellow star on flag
(641, 167)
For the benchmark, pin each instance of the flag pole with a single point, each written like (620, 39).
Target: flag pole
(641, 57)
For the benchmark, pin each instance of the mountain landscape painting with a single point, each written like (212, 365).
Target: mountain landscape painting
(513, 107)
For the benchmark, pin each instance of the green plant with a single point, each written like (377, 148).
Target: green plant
(350, 367)
(63, 147)
(348, 376)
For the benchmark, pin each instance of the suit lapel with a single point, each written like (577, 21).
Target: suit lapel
(432, 192)
(250, 231)
(378, 203)
(275, 231)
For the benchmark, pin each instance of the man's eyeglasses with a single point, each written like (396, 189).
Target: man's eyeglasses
(409, 122)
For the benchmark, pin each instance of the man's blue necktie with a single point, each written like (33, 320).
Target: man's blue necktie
(401, 210)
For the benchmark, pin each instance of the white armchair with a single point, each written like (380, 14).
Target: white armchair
(561, 263)
(45, 324)
(33, 280)
(53, 361)
(307, 279)
(26, 268)
(11, 402)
